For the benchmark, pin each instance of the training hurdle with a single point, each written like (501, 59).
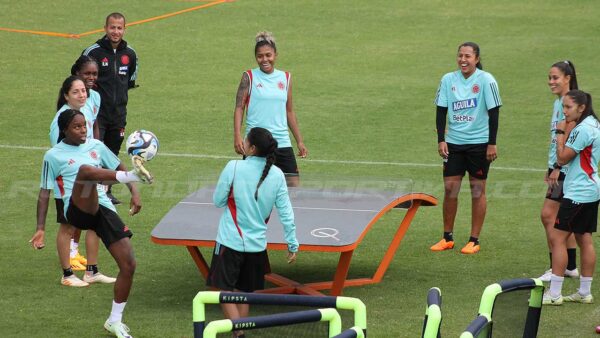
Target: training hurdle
(218, 297)
(327, 220)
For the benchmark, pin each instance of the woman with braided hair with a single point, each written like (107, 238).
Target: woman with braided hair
(248, 190)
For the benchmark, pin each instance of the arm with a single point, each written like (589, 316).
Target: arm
(293, 123)
(564, 154)
(133, 71)
(286, 216)
(135, 204)
(224, 185)
(492, 151)
(238, 113)
(440, 124)
(37, 241)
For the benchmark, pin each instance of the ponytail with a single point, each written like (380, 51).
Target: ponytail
(265, 145)
(568, 69)
(582, 98)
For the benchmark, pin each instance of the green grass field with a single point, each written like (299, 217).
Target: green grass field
(365, 75)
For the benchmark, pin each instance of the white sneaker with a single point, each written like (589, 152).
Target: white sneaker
(118, 329)
(98, 278)
(548, 300)
(140, 171)
(578, 298)
(73, 281)
(546, 276)
(572, 273)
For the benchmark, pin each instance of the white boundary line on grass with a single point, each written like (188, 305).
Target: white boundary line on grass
(221, 157)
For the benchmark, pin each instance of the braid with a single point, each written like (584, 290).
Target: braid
(270, 161)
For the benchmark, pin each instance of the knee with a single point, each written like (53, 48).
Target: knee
(451, 189)
(128, 267)
(84, 171)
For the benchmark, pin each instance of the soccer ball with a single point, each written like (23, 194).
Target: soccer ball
(142, 143)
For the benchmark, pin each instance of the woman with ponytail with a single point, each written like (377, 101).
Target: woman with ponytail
(248, 190)
(469, 100)
(561, 79)
(578, 212)
(265, 93)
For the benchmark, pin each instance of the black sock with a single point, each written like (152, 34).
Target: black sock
(448, 236)
(572, 254)
(474, 240)
(92, 268)
(67, 272)
(550, 254)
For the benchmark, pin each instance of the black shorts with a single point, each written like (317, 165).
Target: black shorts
(469, 158)
(106, 223)
(576, 217)
(112, 136)
(60, 211)
(555, 193)
(231, 269)
(286, 161)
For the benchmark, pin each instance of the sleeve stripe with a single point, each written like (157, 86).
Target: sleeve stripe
(45, 175)
(90, 48)
(437, 95)
(494, 89)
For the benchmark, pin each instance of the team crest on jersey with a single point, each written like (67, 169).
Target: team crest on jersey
(125, 59)
(464, 104)
(280, 85)
(105, 62)
(94, 155)
(475, 88)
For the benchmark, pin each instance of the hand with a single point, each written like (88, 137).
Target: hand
(37, 241)
(291, 257)
(553, 178)
(492, 153)
(302, 151)
(135, 204)
(238, 145)
(443, 149)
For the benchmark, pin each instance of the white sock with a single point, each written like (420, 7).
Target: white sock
(127, 177)
(556, 283)
(116, 314)
(585, 285)
(74, 248)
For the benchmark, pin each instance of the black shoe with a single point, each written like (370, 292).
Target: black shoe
(112, 198)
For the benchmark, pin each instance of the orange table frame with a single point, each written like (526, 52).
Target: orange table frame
(285, 285)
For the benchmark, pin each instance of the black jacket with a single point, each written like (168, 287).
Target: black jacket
(117, 72)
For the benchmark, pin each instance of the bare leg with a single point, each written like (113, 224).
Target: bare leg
(559, 251)
(76, 235)
(92, 244)
(85, 195)
(122, 252)
(451, 190)
(548, 216)
(588, 254)
(63, 242)
(478, 205)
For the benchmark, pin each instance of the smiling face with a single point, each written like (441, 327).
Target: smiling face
(571, 109)
(558, 81)
(115, 29)
(467, 60)
(77, 95)
(89, 74)
(76, 131)
(265, 57)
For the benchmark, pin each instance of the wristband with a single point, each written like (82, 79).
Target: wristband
(556, 166)
(559, 131)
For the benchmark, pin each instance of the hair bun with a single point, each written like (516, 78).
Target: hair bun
(265, 36)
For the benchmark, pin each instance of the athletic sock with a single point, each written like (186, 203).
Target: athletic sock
(67, 272)
(74, 248)
(585, 285)
(116, 313)
(556, 283)
(448, 236)
(572, 263)
(474, 240)
(550, 255)
(93, 268)
(127, 177)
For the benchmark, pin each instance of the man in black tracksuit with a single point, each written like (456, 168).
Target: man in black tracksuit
(117, 72)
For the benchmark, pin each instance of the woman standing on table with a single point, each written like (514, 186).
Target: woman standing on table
(248, 190)
(470, 98)
(578, 213)
(266, 94)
